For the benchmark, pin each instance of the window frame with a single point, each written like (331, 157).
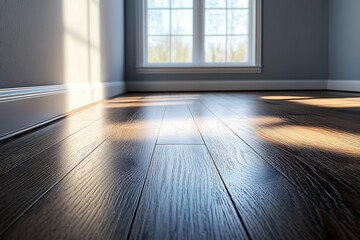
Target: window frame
(203, 67)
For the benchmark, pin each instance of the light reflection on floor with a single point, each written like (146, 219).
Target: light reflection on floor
(310, 137)
(330, 102)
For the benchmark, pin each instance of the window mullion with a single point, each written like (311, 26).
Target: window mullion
(195, 33)
(226, 30)
(170, 32)
(198, 33)
(144, 23)
(201, 31)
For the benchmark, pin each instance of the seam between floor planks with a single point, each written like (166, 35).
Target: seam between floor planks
(145, 179)
(222, 180)
(221, 187)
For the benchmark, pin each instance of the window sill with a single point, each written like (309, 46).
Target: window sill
(195, 70)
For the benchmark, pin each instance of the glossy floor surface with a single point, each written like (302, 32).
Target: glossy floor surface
(259, 165)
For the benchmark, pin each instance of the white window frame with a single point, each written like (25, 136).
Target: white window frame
(255, 42)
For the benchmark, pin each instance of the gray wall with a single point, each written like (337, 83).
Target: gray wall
(32, 42)
(344, 39)
(295, 43)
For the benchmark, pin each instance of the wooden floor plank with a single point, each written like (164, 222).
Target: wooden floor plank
(270, 205)
(97, 200)
(293, 103)
(144, 117)
(19, 150)
(253, 105)
(178, 127)
(23, 186)
(325, 146)
(184, 198)
(284, 164)
(28, 182)
(312, 172)
(91, 113)
(312, 153)
(336, 150)
(333, 144)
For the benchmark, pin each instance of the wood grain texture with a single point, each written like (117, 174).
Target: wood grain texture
(97, 200)
(284, 164)
(144, 117)
(250, 105)
(333, 144)
(322, 140)
(18, 151)
(303, 167)
(270, 205)
(341, 107)
(321, 158)
(184, 198)
(178, 127)
(92, 113)
(23, 186)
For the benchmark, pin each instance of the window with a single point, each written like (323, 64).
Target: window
(199, 36)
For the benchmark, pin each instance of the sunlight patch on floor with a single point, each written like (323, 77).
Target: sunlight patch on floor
(316, 138)
(330, 102)
(284, 97)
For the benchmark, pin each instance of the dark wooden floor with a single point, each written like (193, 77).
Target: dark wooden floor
(261, 165)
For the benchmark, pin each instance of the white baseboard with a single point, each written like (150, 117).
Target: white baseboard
(248, 85)
(28, 107)
(344, 85)
(24, 108)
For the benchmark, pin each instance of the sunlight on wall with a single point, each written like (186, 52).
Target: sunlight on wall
(82, 56)
(94, 44)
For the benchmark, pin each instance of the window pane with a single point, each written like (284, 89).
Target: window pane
(237, 49)
(238, 4)
(158, 3)
(182, 3)
(182, 22)
(158, 22)
(215, 49)
(181, 49)
(170, 30)
(215, 22)
(238, 21)
(215, 3)
(159, 49)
